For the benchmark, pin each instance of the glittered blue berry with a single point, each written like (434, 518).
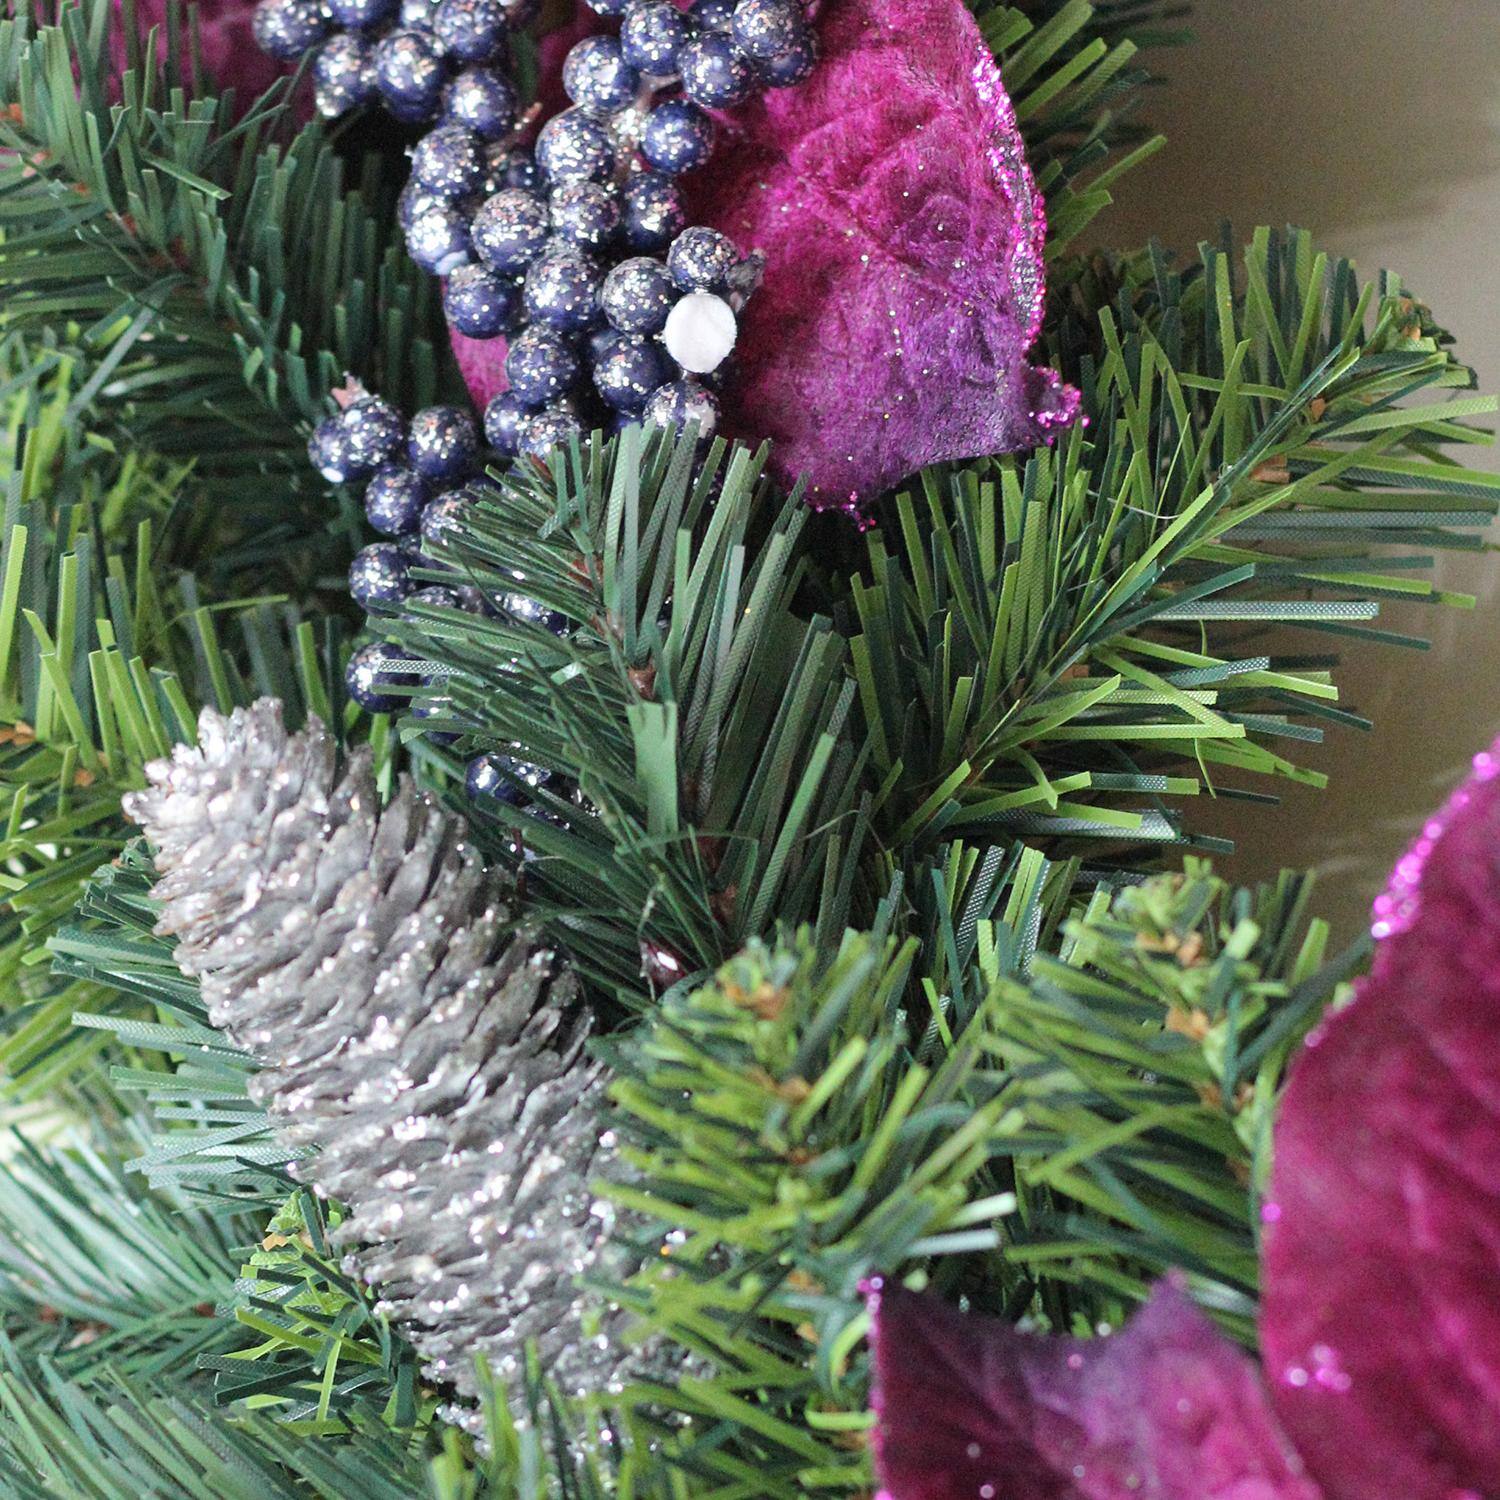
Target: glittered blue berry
(521, 607)
(379, 576)
(654, 215)
(787, 69)
(513, 167)
(394, 499)
(638, 295)
(702, 259)
(597, 77)
(481, 304)
(713, 15)
(504, 778)
(329, 452)
(443, 516)
(483, 100)
(562, 290)
(469, 30)
(586, 215)
(442, 443)
(684, 403)
(438, 595)
(437, 238)
(373, 670)
(610, 7)
(678, 137)
(767, 28)
(715, 73)
(362, 15)
(575, 147)
(447, 162)
(416, 14)
(502, 423)
(410, 72)
(288, 28)
(652, 36)
(375, 431)
(343, 74)
(511, 230)
(540, 367)
(628, 372)
(547, 429)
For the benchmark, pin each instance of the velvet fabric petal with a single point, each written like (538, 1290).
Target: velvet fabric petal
(1380, 1319)
(968, 1408)
(903, 233)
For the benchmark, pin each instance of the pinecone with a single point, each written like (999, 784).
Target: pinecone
(434, 1061)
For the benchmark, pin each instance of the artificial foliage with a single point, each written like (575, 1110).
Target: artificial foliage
(870, 855)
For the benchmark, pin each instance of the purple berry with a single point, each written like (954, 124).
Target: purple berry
(654, 215)
(288, 28)
(597, 77)
(787, 69)
(437, 238)
(442, 443)
(540, 367)
(343, 74)
(443, 516)
(586, 215)
(678, 137)
(469, 30)
(372, 671)
(562, 290)
(379, 576)
(511, 230)
(702, 259)
(575, 147)
(394, 500)
(715, 73)
(684, 403)
(767, 28)
(447, 162)
(409, 71)
(502, 423)
(374, 430)
(713, 15)
(481, 304)
(629, 370)
(361, 15)
(652, 36)
(329, 452)
(482, 100)
(548, 429)
(513, 167)
(638, 295)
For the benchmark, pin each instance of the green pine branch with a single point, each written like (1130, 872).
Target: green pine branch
(1062, 647)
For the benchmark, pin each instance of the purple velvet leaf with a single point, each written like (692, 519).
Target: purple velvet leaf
(1380, 1319)
(903, 234)
(967, 1408)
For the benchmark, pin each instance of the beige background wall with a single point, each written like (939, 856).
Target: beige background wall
(1376, 124)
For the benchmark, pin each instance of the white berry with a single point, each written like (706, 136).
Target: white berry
(700, 332)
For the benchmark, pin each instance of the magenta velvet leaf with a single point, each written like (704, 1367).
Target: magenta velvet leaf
(968, 1408)
(903, 233)
(1380, 1319)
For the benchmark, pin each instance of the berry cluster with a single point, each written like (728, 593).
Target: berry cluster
(424, 59)
(579, 251)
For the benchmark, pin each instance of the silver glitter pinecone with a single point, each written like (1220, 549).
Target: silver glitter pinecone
(433, 1061)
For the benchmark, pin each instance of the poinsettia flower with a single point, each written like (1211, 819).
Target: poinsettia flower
(903, 235)
(1167, 1409)
(1380, 1311)
(1380, 1316)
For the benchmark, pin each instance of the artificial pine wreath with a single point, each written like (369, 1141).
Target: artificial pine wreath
(537, 964)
